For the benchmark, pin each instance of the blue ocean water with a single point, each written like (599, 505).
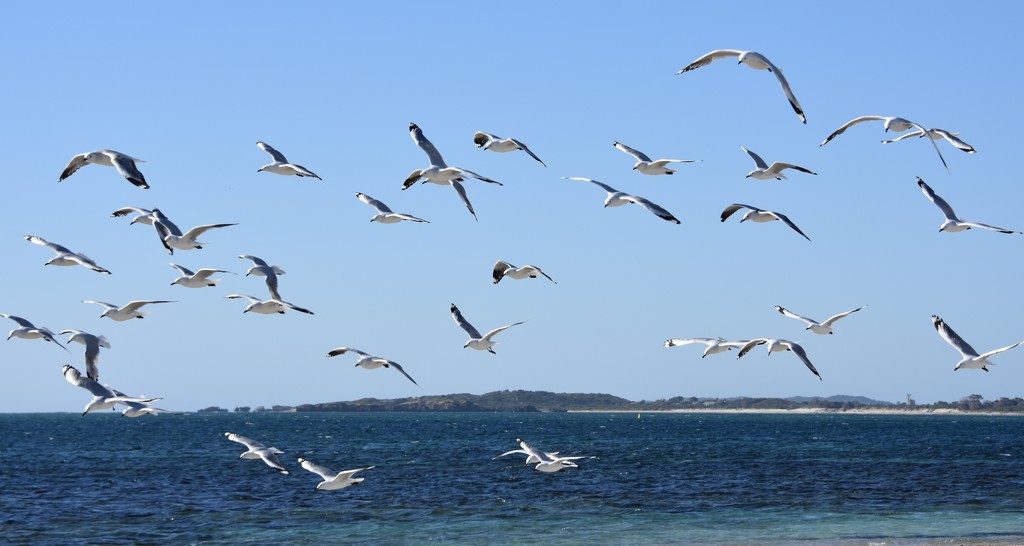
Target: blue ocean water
(659, 479)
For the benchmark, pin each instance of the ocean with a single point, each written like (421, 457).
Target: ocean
(743, 479)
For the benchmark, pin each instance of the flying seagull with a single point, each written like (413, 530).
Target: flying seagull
(756, 61)
(92, 350)
(714, 346)
(476, 341)
(260, 268)
(755, 214)
(64, 256)
(764, 172)
(936, 134)
(31, 331)
(256, 450)
(954, 224)
(371, 362)
(384, 214)
(172, 238)
(889, 123)
(103, 397)
(504, 269)
(267, 307)
(494, 143)
(142, 216)
(969, 357)
(645, 165)
(815, 326)
(533, 455)
(138, 409)
(616, 198)
(123, 163)
(280, 164)
(777, 345)
(197, 279)
(127, 311)
(333, 480)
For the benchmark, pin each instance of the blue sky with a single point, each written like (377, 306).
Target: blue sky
(190, 87)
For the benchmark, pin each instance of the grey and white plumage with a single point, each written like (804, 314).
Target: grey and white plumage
(646, 165)
(65, 257)
(256, 450)
(477, 341)
(533, 455)
(172, 237)
(281, 165)
(142, 216)
(889, 123)
(765, 172)
(824, 327)
(504, 269)
(138, 409)
(755, 214)
(384, 214)
(92, 350)
(935, 134)
(124, 164)
(495, 143)
(969, 357)
(127, 311)
(28, 330)
(953, 223)
(617, 198)
(261, 268)
(753, 60)
(371, 362)
(103, 397)
(196, 279)
(268, 307)
(777, 345)
(714, 345)
(332, 481)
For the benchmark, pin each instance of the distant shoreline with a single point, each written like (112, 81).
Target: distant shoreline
(850, 411)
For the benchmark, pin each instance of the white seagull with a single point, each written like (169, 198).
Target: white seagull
(438, 171)
(476, 341)
(815, 326)
(260, 268)
(753, 60)
(889, 123)
(280, 164)
(969, 357)
(172, 238)
(645, 165)
(494, 143)
(533, 455)
(714, 346)
(765, 172)
(103, 397)
(384, 214)
(31, 331)
(127, 311)
(936, 134)
(616, 198)
(268, 307)
(504, 269)
(92, 350)
(558, 464)
(755, 214)
(142, 216)
(954, 224)
(333, 480)
(64, 256)
(138, 409)
(256, 450)
(123, 163)
(777, 345)
(371, 362)
(196, 279)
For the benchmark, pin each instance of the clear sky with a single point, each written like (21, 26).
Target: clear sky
(189, 87)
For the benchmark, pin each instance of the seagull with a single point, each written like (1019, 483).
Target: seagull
(31, 331)
(756, 61)
(333, 480)
(969, 357)
(128, 311)
(260, 268)
(936, 134)
(438, 171)
(138, 409)
(256, 450)
(776, 345)
(123, 163)
(143, 216)
(267, 307)
(533, 455)
(558, 464)
(385, 214)
(92, 350)
(476, 341)
(760, 215)
(65, 256)
(280, 165)
(890, 123)
(172, 238)
(764, 172)
(102, 396)
(954, 224)
(616, 198)
(494, 143)
(371, 362)
(504, 269)
(198, 279)
(644, 163)
(815, 326)
(714, 346)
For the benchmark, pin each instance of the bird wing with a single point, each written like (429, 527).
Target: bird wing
(398, 367)
(500, 267)
(779, 167)
(60, 249)
(255, 260)
(346, 474)
(271, 280)
(849, 124)
(428, 147)
(1001, 349)
(654, 208)
(92, 357)
(757, 159)
(343, 350)
(477, 176)
(527, 150)
(76, 163)
(785, 219)
(302, 171)
(496, 331)
(677, 342)
(991, 228)
(954, 140)
(135, 305)
(461, 190)
(733, 208)
(126, 166)
(786, 89)
(74, 377)
(834, 318)
(199, 230)
(125, 211)
(934, 145)
(708, 58)
(247, 442)
(295, 307)
(243, 296)
(464, 324)
(207, 273)
(947, 210)
(103, 303)
(183, 270)
(603, 186)
(277, 156)
(381, 207)
(481, 138)
(269, 456)
(802, 354)
(791, 314)
(915, 133)
(953, 338)
(539, 270)
(159, 216)
(638, 155)
(322, 471)
(750, 345)
(21, 322)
